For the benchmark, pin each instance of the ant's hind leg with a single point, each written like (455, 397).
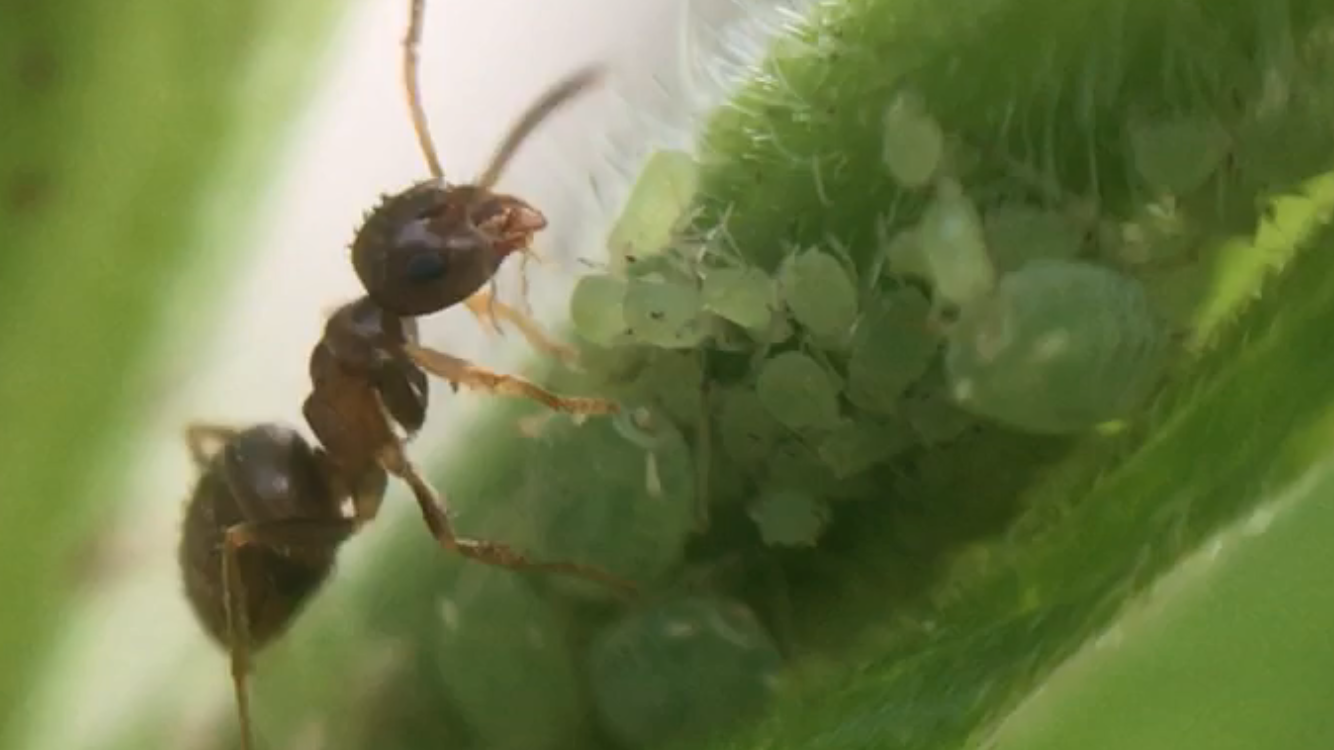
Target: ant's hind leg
(461, 372)
(204, 439)
(294, 537)
(485, 307)
(436, 517)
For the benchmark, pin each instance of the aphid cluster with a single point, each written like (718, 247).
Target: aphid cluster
(267, 516)
(986, 305)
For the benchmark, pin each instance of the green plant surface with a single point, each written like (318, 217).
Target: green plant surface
(120, 120)
(1254, 673)
(1100, 529)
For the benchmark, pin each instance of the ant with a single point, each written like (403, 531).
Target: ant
(267, 515)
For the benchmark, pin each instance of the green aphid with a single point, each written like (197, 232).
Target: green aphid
(680, 671)
(745, 427)
(934, 417)
(891, 349)
(954, 245)
(1178, 155)
(665, 314)
(904, 257)
(820, 293)
(1158, 234)
(1016, 234)
(673, 379)
(914, 145)
(745, 296)
(798, 391)
(656, 203)
(619, 494)
(500, 648)
(859, 444)
(794, 463)
(1059, 348)
(597, 309)
(789, 517)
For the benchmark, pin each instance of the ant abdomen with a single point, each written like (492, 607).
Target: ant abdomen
(434, 245)
(260, 475)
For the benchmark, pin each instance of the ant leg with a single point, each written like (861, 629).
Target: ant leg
(203, 439)
(436, 516)
(291, 538)
(484, 306)
(462, 372)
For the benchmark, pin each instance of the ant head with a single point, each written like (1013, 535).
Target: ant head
(434, 245)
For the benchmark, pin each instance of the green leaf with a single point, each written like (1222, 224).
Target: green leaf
(119, 118)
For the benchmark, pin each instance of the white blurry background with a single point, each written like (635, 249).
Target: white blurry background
(242, 358)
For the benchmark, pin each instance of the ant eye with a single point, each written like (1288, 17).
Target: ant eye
(425, 267)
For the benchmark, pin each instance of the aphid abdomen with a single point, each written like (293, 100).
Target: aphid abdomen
(1059, 347)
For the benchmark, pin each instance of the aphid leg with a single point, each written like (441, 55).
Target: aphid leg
(436, 516)
(484, 306)
(461, 372)
(292, 537)
(204, 439)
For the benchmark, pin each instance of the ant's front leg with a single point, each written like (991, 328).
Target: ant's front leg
(461, 372)
(485, 307)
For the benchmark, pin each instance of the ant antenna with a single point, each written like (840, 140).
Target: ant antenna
(558, 95)
(411, 40)
(555, 97)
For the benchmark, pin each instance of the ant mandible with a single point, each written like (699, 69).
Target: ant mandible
(267, 515)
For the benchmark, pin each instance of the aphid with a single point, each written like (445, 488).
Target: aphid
(1060, 347)
(503, 649)
(268, 514)
(953, 245)
(1178, 155)
(680, 670)
(932, 414)
(1017, 233)
(789, 517)
(656, 205)
(597, 308)
(746, 429)
(620, 493)
(745, 296)
(798, 392)
(891, 349)
(858, 444)
(903, 255)
(914, 144)
(820, 293)
(665, 313)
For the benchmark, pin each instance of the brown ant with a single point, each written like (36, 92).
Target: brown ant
(267, 515)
